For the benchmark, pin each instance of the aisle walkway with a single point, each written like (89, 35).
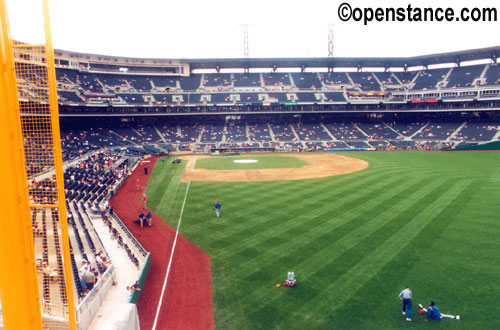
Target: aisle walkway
(125, 274)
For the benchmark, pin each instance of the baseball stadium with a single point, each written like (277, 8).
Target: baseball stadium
(247, 193)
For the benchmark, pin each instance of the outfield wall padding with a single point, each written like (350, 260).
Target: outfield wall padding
(142, 279)
(487, 146)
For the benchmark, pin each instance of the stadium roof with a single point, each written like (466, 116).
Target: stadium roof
(347, 62)
(322, 62)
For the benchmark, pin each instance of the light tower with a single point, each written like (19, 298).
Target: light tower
(246, 51)
(330, 40)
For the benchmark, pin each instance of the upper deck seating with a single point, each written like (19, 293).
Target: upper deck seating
(190, 83)
(247, 80)
(132, 98)
(306, 97)
(249, 97)
(276, 79)
(162, 82)
(493, 74)
(278, 97)
(335, 79)
(306, 80)
(464, 76)
(429, 79)
(406, 77)
(365, 81)
(388, 81)
(335, 97)
(217, 80)
(140, 83)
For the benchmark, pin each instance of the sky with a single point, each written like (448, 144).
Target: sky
(213, 28)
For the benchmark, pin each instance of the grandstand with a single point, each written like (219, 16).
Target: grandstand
(153, 90)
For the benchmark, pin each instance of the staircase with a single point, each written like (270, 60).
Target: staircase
(352, 83)
(420, 130)
(329, 133)
(382, 87)
(296, 135)
(443, 83)
(452, 135)
(271, 133)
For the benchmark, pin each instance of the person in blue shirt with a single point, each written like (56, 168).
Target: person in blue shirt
(141, 218)
(433, 312)
(217, 208)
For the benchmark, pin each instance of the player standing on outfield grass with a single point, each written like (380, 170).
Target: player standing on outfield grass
(217, 208)
(406, 297)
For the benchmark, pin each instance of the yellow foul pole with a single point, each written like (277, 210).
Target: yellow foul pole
(18, 280)
(58, 164)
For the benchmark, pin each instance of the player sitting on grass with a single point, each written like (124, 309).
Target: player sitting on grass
(433, 313)
(291, 281)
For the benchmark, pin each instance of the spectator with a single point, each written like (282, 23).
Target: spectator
(89, 279)
(52, 274)
(129, 292)
(141, 219)
(136, 286)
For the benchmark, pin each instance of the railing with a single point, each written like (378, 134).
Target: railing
(54, 311)
(87, 309)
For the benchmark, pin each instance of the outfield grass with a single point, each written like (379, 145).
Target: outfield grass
(427, 220)
(263, 162)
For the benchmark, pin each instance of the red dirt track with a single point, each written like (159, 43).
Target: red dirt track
(187, 303)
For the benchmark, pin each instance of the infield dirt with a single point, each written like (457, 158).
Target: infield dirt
(320, 165)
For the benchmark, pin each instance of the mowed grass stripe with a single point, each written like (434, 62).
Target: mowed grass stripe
(303, 201)
(306, 225)
(332, 244)
(350, 282)
(313, 285)
(302, 217)
(261, 196)
(318, 274)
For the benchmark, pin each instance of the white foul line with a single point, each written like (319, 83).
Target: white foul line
(171, 257)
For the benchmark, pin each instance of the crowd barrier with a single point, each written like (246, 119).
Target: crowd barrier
(87, 309)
